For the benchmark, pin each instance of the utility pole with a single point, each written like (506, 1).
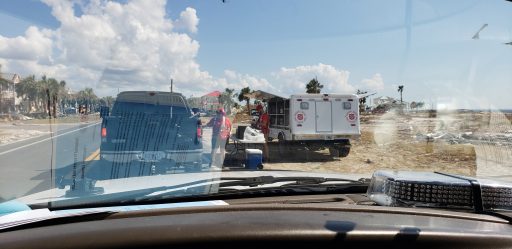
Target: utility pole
(171, 84)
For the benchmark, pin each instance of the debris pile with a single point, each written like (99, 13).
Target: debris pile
(467, 138)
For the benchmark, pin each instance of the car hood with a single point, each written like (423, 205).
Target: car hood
(113, 186)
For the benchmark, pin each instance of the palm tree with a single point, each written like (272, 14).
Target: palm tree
(107, 101)
(87, 97)
(46, 94)
(4, 84)
(400, 90)
(314, 86)
(26, 89)
(63, 94)
(226, 99)
(40, 94)
(241, 97)
(53, 87)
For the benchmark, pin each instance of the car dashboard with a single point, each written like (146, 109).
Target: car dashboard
(303, 221)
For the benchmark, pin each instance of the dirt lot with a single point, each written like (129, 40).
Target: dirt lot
(393, 141)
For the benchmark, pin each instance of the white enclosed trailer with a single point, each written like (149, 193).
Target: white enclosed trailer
(317, 121)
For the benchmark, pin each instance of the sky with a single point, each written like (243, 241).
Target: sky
(275, 46)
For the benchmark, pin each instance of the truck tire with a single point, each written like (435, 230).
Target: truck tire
(339, 152)
(344, 151)
(334, 152)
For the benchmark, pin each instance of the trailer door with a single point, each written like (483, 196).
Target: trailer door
(323, 116)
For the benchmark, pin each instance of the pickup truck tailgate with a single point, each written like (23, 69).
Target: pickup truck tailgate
(136, 131)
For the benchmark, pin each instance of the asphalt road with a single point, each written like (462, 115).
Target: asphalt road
(38, 164)
(26, 166)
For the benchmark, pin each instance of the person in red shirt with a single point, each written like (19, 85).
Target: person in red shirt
(263, 124)
(221, 129)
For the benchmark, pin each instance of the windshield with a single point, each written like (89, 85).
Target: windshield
(103, 97)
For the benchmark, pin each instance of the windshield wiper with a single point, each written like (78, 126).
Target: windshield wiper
(257, 186)
(226, 186)
(265, 180)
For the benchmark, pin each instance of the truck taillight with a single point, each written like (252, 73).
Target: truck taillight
(199, 132)
(103, 132)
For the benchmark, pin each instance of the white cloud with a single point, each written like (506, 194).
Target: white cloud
(294, 80)
(188, 20)
(376, 83)
(230, 74)
(35, 45)
(135, 46)
(238, 81)
(112, 45)
(288, 81)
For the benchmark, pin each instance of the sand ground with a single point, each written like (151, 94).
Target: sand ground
(393, 141)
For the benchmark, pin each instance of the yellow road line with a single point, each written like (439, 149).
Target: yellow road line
(94, 156)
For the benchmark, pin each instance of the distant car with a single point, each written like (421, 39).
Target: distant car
(154, 130)
(70, 110)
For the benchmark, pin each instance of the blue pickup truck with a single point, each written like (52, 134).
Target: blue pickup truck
(150, 132)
